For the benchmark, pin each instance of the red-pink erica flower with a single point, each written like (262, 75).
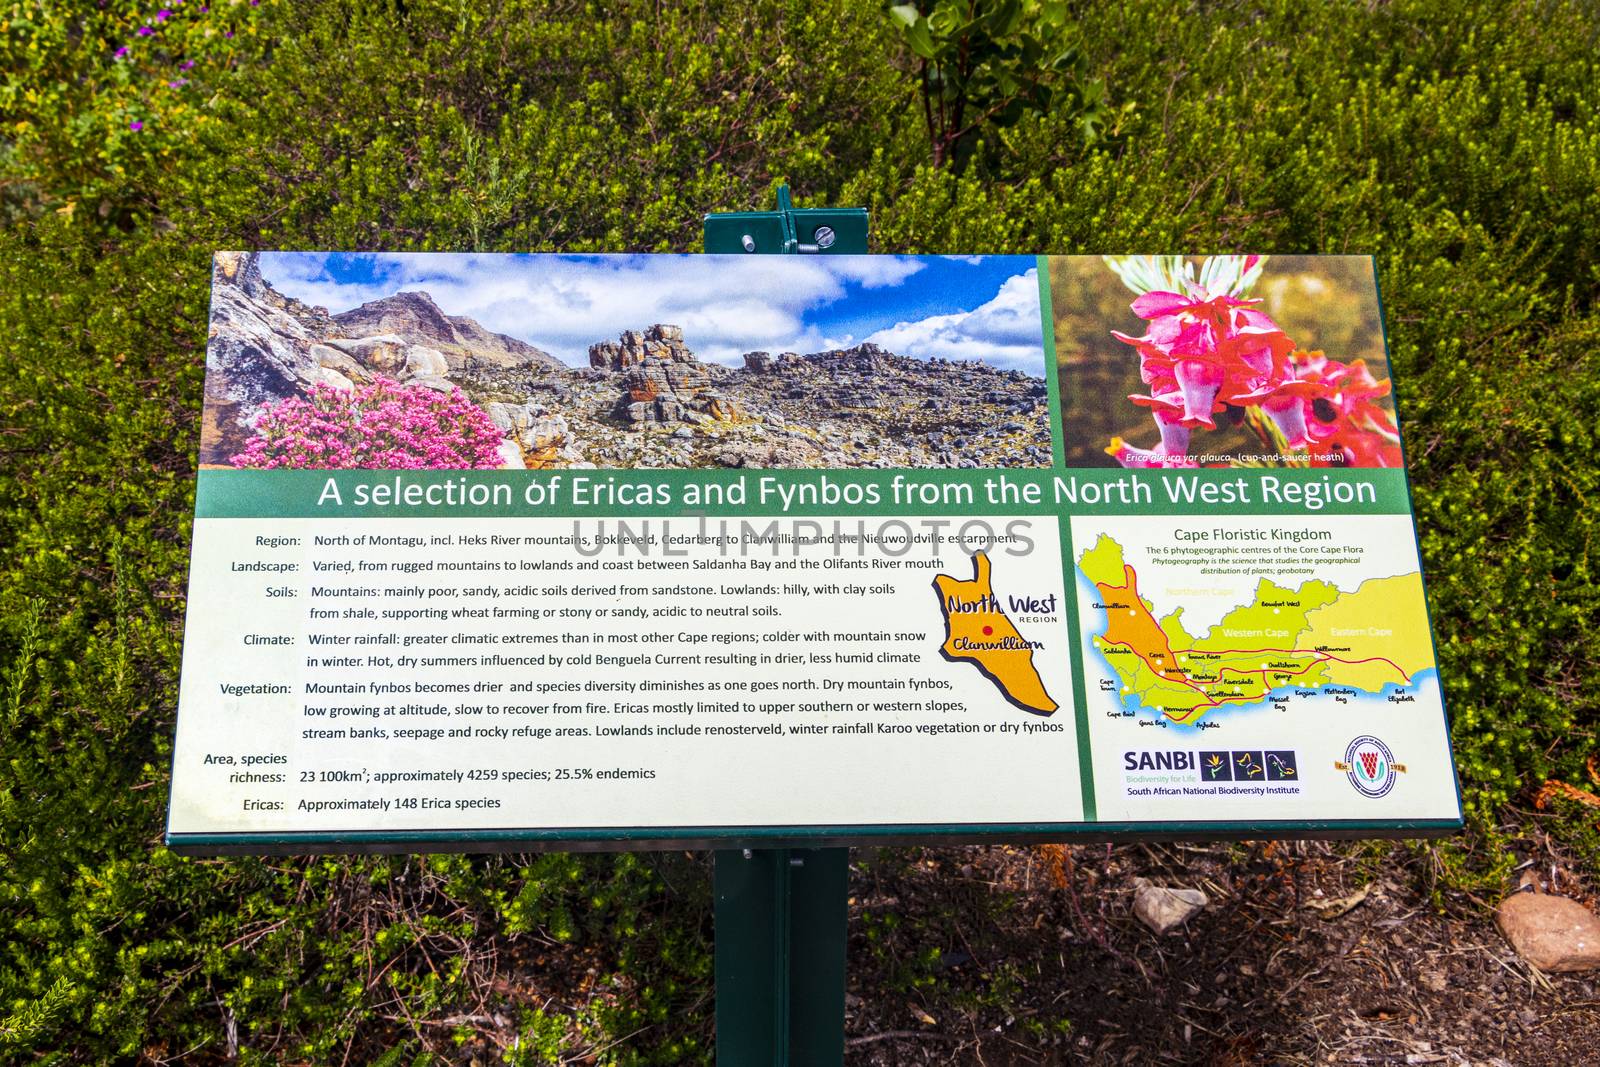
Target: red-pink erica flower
(1344, 425)
(1214, 351)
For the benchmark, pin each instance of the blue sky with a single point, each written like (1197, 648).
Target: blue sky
(954, 307)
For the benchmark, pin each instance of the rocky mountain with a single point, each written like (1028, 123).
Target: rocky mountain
(264, 347)
(645, 400)
(258, 351)
(416, 319)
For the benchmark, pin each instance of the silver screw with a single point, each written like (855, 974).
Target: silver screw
(824, 237)
(748, 242)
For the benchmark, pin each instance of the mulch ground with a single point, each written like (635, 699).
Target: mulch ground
(1308, 953)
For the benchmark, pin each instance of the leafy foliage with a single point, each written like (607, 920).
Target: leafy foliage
(991, 62)
(107, 97)
(1457, 141)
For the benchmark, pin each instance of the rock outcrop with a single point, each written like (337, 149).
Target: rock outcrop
(259, 351)
(660, 342)
(647, 401)
(662, 381)
(783, 363)
(417, 320)
(540, 438)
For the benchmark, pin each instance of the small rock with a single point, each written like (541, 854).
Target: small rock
(335, 360)
(1552, 933)
(506, 417)
(510, 456)
(1333, 909)
(1162, 908)
(329, 376)
(383, 353)
(683, 431)
(425, 362)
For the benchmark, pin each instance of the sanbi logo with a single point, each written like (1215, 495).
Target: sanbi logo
(1176, 760)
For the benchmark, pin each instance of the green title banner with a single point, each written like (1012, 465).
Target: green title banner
(668, 493)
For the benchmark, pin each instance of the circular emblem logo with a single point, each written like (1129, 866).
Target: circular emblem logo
(1370, 766)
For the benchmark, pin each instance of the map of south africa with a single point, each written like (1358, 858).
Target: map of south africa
(1312, 636)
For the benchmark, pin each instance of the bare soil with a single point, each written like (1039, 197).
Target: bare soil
(1308, 953)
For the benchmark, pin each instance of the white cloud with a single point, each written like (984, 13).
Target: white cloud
(563, 306)
(1006, 332)
(724, 313)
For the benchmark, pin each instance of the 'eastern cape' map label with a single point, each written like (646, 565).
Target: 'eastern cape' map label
(977, 629)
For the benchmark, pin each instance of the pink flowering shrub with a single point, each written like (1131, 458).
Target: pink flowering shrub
(1208, 349)
(382, 426)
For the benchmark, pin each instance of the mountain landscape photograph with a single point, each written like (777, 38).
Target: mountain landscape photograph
(632, 361)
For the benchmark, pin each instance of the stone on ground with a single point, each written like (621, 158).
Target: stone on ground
(1163, 908)
(1552, 933)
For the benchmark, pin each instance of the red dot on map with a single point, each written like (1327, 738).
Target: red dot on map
(987, 630)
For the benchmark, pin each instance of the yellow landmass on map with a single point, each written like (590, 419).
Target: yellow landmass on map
(1375, 633)
(977, 630)
(1314, 635)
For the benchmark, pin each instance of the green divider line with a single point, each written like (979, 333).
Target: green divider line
(619, 839)
(1052, 373)
(1080, 697)
(1069, 600)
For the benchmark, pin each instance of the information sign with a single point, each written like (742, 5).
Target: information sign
(636, 551)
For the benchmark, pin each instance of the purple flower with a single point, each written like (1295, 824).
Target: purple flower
(186, 65)
(229, 34)
(122, 52)
(135, 125)
(177, 83)
(163, 15)
(145, 31)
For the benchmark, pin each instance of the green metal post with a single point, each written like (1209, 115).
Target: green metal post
(780, 912)
(780, 956)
